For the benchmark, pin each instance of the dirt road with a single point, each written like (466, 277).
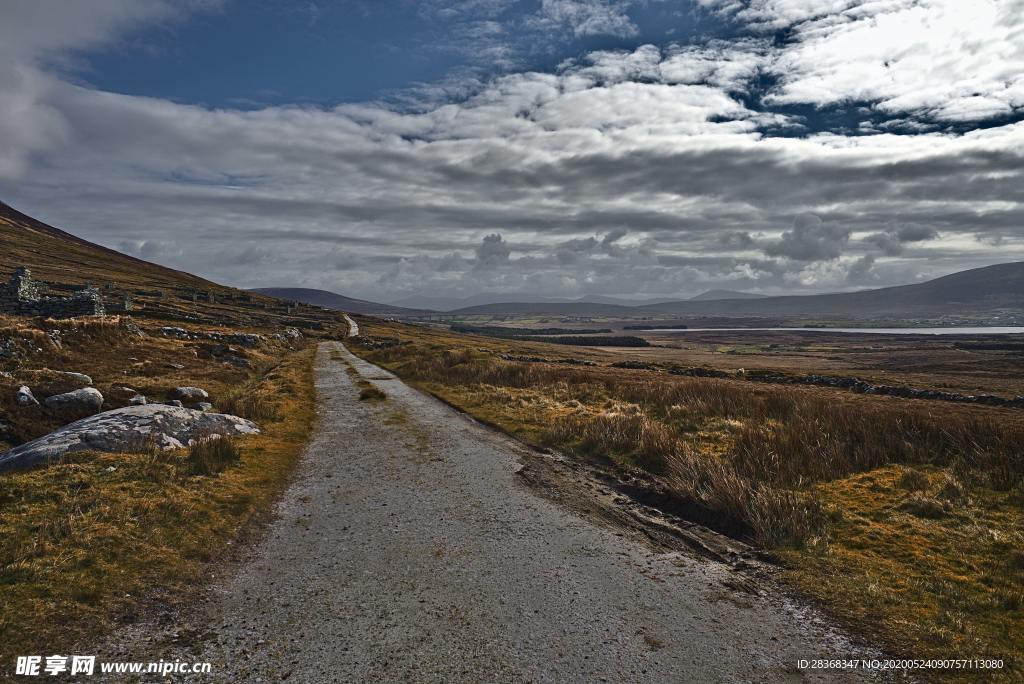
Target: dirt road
(408, 550)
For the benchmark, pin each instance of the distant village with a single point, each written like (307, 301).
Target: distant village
(23, 296)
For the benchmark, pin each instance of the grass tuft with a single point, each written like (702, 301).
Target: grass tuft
(371, 393)
(213, 455)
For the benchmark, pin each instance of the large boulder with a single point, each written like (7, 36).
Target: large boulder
(192, 394)
(133, 428)
(78, 404)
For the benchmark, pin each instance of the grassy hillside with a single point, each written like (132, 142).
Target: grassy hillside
(57, 256)
(66, 261)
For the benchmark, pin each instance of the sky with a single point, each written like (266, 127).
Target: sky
(385, 149)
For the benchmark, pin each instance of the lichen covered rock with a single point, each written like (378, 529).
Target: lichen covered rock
(133, 428)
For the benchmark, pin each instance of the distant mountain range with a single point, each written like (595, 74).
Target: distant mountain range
(715, 295)
(59, 257)
(979, 290)
(488, 298)
(331, 300)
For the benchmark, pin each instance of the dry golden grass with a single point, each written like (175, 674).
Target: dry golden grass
(946, 579)
(213, 455)
(85, 540)
(912, 509)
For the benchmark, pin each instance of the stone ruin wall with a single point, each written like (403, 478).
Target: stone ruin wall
(22, 296)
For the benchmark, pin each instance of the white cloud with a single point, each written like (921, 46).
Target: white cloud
(587, 17)
(951, 60)
(654, 149)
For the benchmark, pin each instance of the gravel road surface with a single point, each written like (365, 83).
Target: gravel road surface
(408, 550)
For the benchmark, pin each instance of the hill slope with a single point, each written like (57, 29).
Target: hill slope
(59, 257)
(65, 262)
(332, 300)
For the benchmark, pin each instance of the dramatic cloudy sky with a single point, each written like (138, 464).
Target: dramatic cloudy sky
(387, 148)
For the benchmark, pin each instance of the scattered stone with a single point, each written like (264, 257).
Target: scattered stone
(864, 387)
(699, 372)
(227, 354)
(191, 393)
(78, 377)
(179, 333)
(127, 429)
(133, 329)
(76, 404)
(175, 402)
(634, 365)
(203, 406)
(376, 342)
(24, 397)
(8, 349)
(138, 400)
(176, 366)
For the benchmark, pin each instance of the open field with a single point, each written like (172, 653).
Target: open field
(970, 364)
(911, 510)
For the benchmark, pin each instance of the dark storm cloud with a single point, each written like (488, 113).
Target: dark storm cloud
(811, 239)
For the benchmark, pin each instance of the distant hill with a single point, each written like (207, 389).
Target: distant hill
(623, 301)
(331, 300)
(431, 303)
(715, 295)
(977, 291)
(548, 309)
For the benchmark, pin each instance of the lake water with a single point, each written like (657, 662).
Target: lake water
(965, 330)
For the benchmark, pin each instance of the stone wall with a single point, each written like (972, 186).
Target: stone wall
(22, 296)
